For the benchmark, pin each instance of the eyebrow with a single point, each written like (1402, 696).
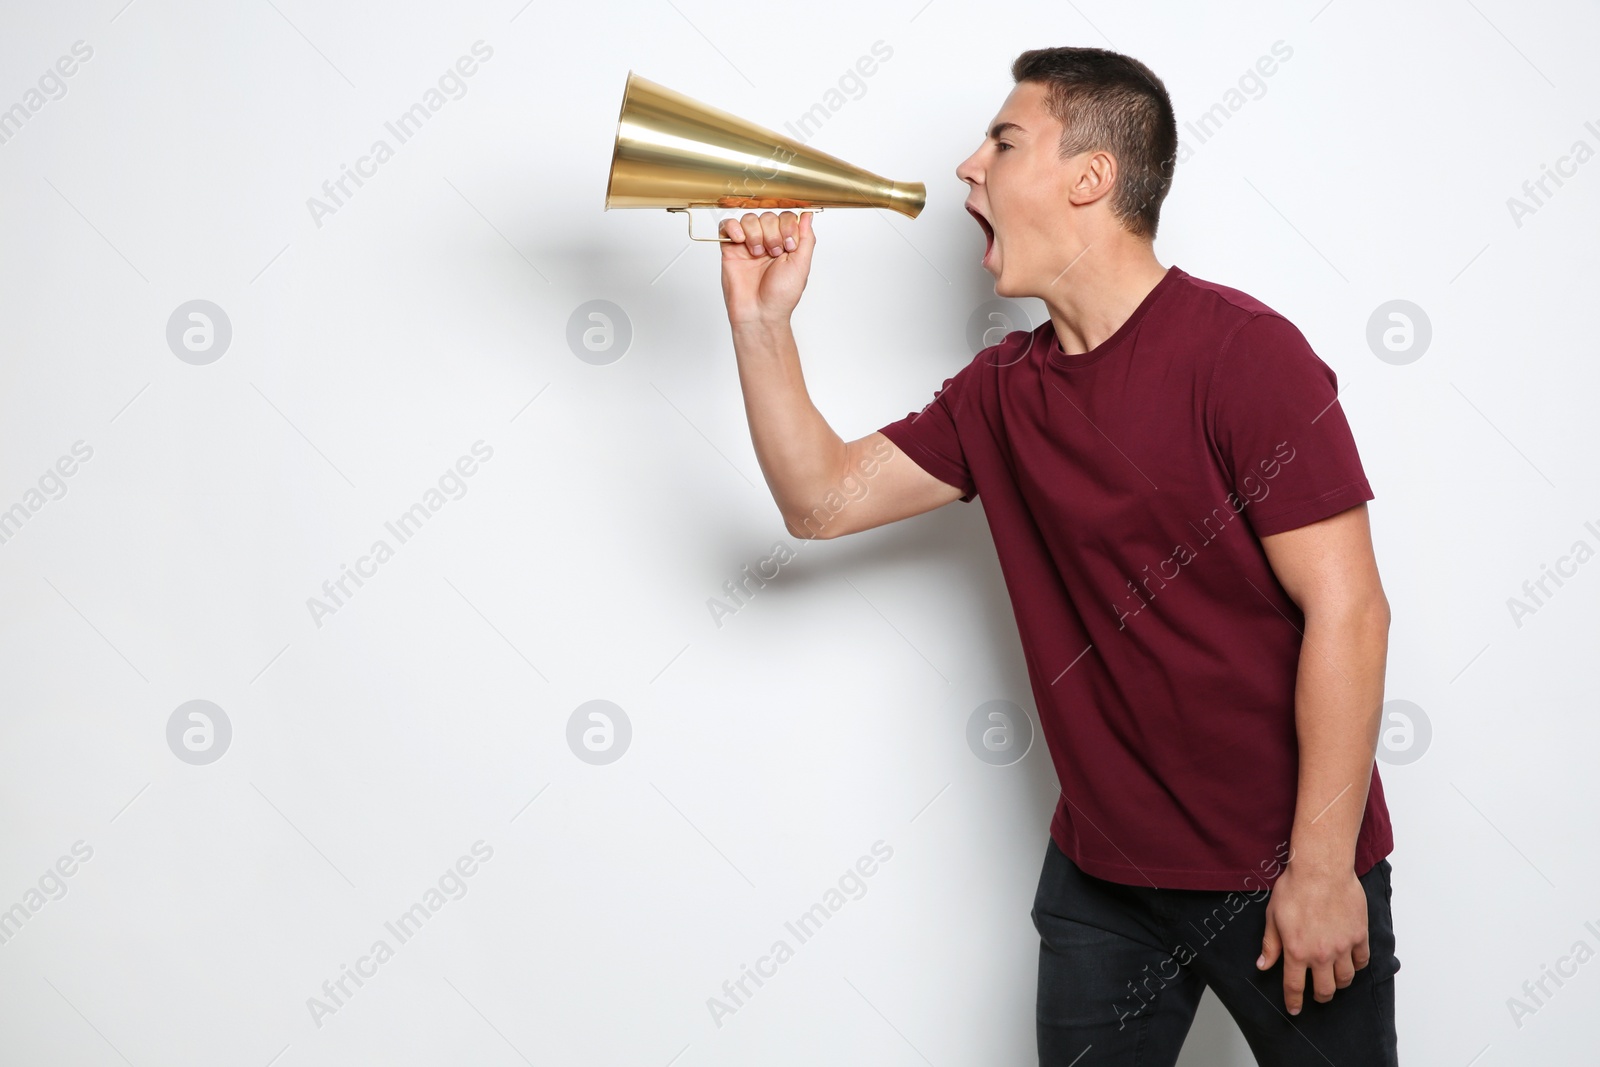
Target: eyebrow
(1002, 127)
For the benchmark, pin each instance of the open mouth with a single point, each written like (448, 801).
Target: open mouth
(988, 230)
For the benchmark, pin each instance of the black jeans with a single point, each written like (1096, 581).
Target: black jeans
(1122, 969)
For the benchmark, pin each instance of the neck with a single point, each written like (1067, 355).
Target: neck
(1105, 286)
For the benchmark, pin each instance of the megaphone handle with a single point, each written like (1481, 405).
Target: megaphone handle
(720, 239)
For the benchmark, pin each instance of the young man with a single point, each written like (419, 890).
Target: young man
(1179, 512)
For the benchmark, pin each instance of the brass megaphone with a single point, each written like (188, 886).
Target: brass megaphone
(676, 153)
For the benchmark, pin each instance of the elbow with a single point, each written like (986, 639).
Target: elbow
(1375, 622)
(1373, 609)
(795, 529)
(814, 525)
(804, 532)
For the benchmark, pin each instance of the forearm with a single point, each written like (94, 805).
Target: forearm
(1338, 712)
(800, 455)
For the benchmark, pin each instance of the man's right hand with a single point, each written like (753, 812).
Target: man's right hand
(762, 278)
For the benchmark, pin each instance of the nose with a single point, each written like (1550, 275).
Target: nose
(968, 170)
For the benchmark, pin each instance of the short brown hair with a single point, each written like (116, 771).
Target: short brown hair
(1110, 101)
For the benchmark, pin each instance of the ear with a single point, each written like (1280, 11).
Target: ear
(1096, 175)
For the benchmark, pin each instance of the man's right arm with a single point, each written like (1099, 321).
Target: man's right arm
(764, 270)
(806, 463)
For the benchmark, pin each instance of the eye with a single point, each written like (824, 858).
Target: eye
(999, 145)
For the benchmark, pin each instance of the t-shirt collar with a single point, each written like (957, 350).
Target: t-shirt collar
(1083, 359)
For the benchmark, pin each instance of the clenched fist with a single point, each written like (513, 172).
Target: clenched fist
(765, 265)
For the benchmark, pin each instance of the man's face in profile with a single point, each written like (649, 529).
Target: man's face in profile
(1019, 187)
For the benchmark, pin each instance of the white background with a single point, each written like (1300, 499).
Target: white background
(767, 754)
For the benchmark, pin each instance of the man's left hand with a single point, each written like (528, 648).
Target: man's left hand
(1318, 922)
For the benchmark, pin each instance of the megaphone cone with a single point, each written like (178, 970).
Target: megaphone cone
(676, 153)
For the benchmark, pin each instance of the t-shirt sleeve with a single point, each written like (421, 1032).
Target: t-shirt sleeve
(1279, 430)
(931, 437)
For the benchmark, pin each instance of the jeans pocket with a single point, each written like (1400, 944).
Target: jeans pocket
(1380, 927)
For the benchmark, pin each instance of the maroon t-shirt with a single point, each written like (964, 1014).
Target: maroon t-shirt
(1127, 489)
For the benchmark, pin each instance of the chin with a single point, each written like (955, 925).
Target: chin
(1005, 283)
